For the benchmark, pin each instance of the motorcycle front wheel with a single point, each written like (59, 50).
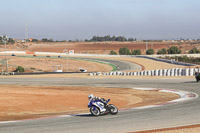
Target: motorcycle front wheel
(94, 111)
(113, 109)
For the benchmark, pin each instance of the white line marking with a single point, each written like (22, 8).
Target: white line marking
(184, 95)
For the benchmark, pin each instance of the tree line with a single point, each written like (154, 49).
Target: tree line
(110, 38)
(4, 39)
(171, 50)
(184, 58)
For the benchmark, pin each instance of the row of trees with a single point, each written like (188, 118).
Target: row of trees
(126, 51)
(8, 40)
(109, 38)
(184, 59)
(47, 40)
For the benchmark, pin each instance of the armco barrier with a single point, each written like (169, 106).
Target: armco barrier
(157, 72)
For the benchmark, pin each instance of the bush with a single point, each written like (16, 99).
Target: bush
(184, 59)
(136, 52)
(149, 52)
(19, 69)
(124, 51)
(173, 50)
(162, 51)
(194, 51)
(113, 53)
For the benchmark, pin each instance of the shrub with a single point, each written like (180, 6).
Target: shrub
(149, 52)
(173, 50)
(136, 52)
(19, 69)
(113, 53)
(124, 51)
(162, 51)
(194, 51)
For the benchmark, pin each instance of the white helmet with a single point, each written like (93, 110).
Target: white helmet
(90, 96)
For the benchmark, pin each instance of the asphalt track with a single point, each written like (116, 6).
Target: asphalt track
(123, 65)
(171, 115)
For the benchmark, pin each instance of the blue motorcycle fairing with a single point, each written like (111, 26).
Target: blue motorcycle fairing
(107, 100)
(91, 103)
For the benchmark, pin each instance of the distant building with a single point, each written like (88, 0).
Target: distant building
(30, 39)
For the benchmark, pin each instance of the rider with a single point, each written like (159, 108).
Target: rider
(197, 74)
(196, 71)
(93, 98)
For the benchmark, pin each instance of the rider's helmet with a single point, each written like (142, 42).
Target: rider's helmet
(90, 96)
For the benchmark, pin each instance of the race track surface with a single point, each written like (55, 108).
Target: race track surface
(171, 115)
(123, 65)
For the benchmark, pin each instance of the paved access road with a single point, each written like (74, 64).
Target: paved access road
(172, 115)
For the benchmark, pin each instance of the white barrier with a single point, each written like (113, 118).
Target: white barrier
(179, 70)
(165, 72)
(13, 52)
(187, 72)
(160, 72)
(191, 72)
(157, 72)
(169, 72)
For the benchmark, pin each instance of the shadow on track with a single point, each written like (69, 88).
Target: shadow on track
(84, 115)
(191, 82)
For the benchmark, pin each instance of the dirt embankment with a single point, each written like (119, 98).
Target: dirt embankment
(50, 64)
(23, 102)
(97, 47)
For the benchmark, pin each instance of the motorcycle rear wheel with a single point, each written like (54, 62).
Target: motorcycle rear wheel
(95, 111)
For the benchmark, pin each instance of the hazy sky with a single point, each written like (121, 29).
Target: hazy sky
(81, 19)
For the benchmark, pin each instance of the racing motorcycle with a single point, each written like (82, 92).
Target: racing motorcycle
(98, 108)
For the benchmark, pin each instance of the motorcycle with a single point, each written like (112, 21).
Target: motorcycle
(98, 108)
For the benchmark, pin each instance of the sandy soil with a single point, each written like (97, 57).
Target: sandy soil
(22, 102)
(106, 47)
(49, 64)
(97, 47)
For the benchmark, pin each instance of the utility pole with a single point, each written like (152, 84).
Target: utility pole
(67, 60)
(26, 36)
(5, 39)
(67, 54)
(146, 46)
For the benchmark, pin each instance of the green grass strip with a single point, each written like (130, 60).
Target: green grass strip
(114, 68)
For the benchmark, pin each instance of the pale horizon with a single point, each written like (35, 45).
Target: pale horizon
(78, 19)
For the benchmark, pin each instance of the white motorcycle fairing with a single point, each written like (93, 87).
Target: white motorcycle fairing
(98, 104)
